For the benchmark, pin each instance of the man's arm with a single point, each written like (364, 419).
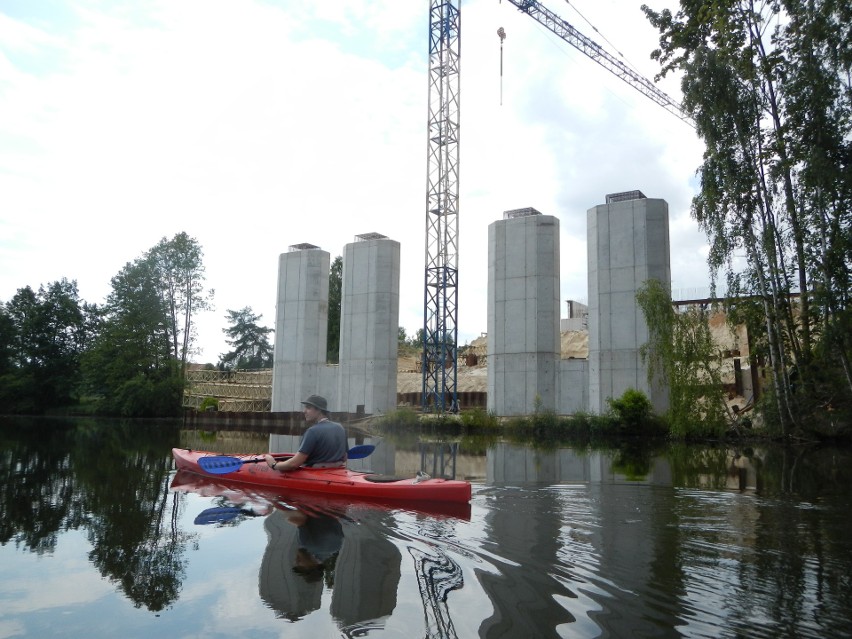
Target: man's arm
(288, 464)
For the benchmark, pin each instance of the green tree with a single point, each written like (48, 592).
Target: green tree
(768, 88)
(43, 335)
(250, 341)
(418, 338)
(62, 338)
(131, 363)
(8, 337)
(180, 274)
(335, 295)
(680, 351)
(23, 311)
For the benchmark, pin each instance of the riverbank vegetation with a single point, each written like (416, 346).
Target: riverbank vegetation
(125, 357)
(768, 89)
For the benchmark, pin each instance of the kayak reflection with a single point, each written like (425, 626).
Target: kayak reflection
(236, 493)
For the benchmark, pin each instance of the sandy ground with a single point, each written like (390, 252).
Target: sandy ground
(475, 378)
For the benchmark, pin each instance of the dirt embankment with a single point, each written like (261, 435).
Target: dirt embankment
(575, 344)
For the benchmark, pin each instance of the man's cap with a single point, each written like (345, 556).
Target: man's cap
(317, 402)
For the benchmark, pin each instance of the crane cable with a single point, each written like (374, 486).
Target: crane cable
(605, 39)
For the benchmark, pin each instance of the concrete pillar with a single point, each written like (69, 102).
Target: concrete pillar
(628, 244)
(369, 324)
(523, 313)
(301, 329)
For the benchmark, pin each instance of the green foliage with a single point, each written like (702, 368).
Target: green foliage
(633, 461)
(335, 297)
(681, 354)
(592, 424)
(547, 429)
(249, 340)
(146, 396)
(479, 419)
(406, 419)
(768, 88)
(632, 410)
(135, 362)
(401, 418)
(8, 339)
(178, 269)
(42, 337)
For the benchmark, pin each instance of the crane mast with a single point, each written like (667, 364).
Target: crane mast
(439, 363)
(593, 50)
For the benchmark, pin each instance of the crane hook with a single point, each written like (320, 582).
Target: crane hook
(502, 35)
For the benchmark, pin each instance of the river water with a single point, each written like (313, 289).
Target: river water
(102, 538)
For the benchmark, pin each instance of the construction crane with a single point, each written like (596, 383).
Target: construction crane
(593, 50)
(439, 361)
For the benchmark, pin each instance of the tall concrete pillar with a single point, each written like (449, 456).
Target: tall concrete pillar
(523, 313)
(628, 244)
(369, 324)
(301, 327)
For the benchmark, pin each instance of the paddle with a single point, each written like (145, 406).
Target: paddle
(223, 465)
(218, 515)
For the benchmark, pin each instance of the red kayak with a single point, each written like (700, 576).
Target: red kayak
(251, 469)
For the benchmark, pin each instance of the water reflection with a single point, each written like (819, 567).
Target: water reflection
(437, 575)
(112, 483)
(635, 541)
(313, 546)
(299, 560)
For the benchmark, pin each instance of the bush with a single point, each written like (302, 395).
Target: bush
(479, 419)
(632, 410)
(593, 424)
(404, 417)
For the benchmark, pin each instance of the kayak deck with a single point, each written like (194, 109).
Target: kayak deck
(338, 481)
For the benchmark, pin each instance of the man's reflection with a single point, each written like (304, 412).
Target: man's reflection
(319, 540)
(290, 575)
(310, 550)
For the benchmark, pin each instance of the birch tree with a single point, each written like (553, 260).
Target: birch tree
(768, 87)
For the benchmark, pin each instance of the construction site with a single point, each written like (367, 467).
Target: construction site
(531, 356)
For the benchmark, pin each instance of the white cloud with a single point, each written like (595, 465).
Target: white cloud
(253, 126)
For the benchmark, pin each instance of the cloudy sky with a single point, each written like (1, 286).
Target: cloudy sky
(255, 125)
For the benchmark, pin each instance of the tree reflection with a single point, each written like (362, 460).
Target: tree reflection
(36, 491)
(62, 475)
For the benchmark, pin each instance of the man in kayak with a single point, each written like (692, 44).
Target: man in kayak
(323, 444)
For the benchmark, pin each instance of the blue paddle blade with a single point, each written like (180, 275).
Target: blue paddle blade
(222, 465)
(359, 452)
(217, 515)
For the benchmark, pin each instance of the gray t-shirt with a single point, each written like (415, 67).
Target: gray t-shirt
(324, 442)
